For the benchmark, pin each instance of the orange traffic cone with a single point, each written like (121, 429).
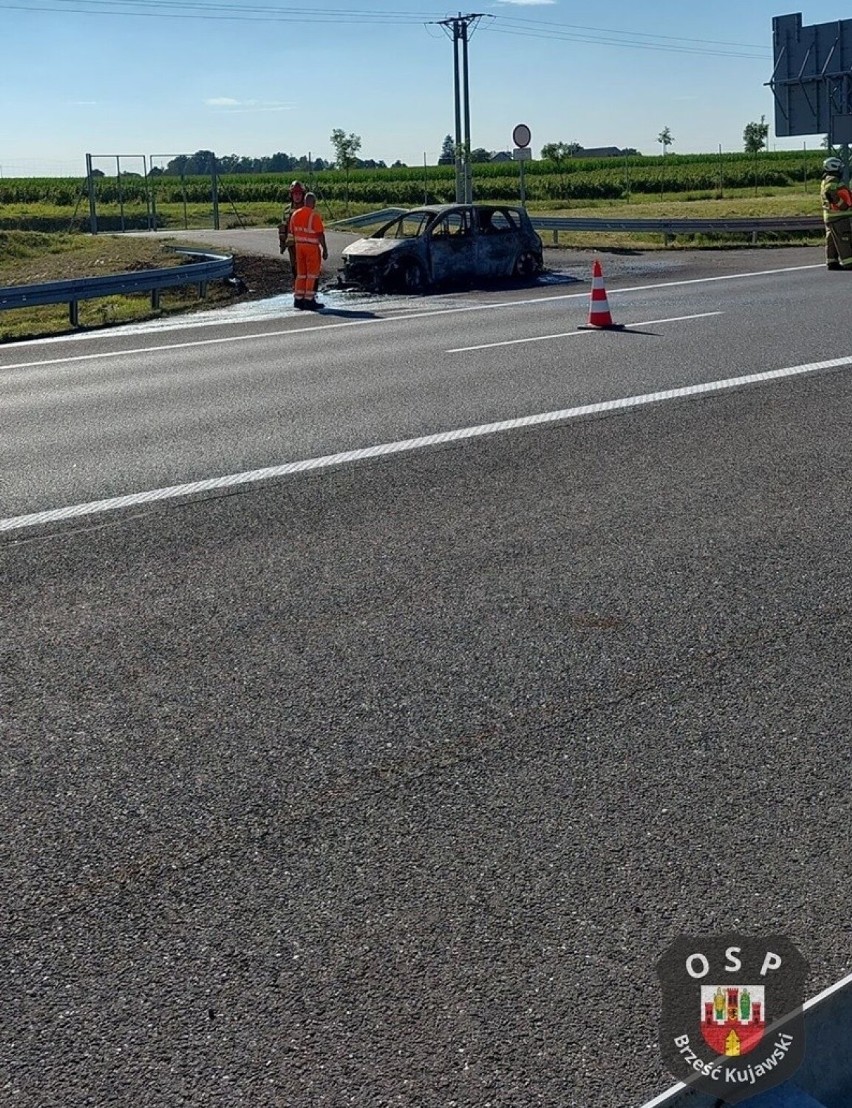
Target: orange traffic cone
(600, 318)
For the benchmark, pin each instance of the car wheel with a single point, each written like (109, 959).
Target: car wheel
(527, 265)
(413, 277)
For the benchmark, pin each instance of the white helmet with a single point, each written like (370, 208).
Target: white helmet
(833, 165)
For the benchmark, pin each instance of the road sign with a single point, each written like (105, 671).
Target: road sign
(522, 154)
(811, 78)
(521, 135)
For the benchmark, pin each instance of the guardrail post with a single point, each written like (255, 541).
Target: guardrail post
(555, 238)
(74, 313)
(754, 238)
(155, 299)
(202, 290)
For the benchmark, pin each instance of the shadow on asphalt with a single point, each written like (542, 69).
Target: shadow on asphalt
(346, 313)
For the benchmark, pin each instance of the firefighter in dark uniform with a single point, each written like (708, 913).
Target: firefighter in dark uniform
(286, 242)
(837, 213)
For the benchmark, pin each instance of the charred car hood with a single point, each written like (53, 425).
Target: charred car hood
(372, 248)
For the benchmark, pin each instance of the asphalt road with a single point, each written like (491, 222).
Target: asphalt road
(387, 784)
(151, 406)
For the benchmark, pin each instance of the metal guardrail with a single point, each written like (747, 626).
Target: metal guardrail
(668, 228)
(671, 228)
(381, 216)
(154, 281)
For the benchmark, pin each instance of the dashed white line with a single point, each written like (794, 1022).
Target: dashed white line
(574, 334)
(319, 328)
(75, 511)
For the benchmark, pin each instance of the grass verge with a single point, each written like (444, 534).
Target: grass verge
(28, 258)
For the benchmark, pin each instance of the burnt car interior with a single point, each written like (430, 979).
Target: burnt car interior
(410, 226)
(453, 225)
(496, 221)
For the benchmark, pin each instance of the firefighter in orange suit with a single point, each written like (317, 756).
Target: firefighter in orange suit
(837, 213)
(307, 229)
(285, 236)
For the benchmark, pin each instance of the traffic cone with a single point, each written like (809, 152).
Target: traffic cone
(600, 318)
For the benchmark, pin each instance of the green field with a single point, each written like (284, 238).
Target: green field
(727, 184)
(41, 218)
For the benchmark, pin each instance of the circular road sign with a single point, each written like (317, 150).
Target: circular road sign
(521, 135)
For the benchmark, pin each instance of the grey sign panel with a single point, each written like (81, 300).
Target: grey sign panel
(812, 77)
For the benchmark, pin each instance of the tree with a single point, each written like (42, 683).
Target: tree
(754, 136)
(665, 138)
(480, 154)
(280, 162)
(559, 153)
(448, 152)
(346, 148)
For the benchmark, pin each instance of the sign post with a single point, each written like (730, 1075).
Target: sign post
(521, 137)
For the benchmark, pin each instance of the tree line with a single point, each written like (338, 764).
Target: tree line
(346, 148)
(201, 164)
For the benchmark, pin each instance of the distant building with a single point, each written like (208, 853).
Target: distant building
(501, 156)
(600, 152)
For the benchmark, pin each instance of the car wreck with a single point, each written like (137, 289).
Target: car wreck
(444, 244)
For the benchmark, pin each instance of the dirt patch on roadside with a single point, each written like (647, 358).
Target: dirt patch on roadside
(262, 276)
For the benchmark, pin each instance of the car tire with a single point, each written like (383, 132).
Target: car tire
(412, 277)
(527, 266)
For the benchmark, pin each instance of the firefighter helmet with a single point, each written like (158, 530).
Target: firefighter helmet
(833, 165)
(297, 186)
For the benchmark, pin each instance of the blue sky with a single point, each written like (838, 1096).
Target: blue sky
(174, 76)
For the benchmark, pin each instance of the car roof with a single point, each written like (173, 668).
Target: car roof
(437, 209)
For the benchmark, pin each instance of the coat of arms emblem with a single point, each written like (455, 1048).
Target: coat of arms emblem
(731, 1019)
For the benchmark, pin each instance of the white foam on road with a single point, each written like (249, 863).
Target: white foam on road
(222, 319)
(288, 469)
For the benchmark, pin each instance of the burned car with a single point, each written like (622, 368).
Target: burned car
(444, 243)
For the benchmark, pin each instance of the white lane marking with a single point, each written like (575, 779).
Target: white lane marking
(211, 484)
(319, 328)
(574, 334)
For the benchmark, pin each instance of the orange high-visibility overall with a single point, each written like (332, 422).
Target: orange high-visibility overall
(306, 227)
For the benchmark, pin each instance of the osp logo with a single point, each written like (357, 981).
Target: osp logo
(731, 1021)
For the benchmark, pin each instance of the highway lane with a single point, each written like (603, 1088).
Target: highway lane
(133, 412)
(387, 786)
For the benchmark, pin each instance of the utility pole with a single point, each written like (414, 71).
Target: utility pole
(459, 26)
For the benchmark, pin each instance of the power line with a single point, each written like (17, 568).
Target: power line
(506, 25)
(175, 9)
(671, 48)
(548, 25)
